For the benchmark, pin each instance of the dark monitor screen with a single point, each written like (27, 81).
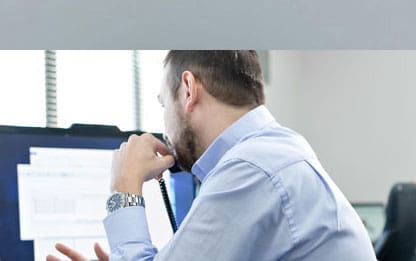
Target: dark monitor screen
(15, 143)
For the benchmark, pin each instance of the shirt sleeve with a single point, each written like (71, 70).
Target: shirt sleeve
(227, 221)
(128, 235)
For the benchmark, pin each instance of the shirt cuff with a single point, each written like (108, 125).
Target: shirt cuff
(127, 225)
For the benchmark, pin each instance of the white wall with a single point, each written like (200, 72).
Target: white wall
(356, 108)
(284, 68)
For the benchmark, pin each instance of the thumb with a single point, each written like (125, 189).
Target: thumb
(165, 162)
(100, 253)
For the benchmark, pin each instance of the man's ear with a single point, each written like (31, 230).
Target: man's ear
(190, 93)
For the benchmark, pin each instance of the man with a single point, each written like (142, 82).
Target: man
(264, 194)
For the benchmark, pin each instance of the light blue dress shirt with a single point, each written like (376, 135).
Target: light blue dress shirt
(264, 196)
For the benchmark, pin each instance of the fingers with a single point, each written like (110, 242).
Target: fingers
(69, 252)
(52, 258)
(161, 164)
(100, 253)
(166, 162)
(160, 147)
(157, 145)
(75, 256)
(139, 159)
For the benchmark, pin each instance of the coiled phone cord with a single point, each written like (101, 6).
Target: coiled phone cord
(167, 204)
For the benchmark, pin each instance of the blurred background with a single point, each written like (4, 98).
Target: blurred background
(356, 108)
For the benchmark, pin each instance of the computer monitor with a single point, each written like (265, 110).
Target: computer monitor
(373, 217)
(18, 145)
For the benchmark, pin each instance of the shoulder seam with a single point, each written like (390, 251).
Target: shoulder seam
(277, 183)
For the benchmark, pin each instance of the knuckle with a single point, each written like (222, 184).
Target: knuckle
(147, 135)
(133, 137)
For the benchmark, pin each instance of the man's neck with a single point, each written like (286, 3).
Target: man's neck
(215, 121)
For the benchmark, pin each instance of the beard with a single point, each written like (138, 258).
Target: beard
(186, 145)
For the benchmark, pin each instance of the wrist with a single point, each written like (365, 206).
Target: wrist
(131, 187)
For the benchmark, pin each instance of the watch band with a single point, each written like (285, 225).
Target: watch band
(133, 200)
(120, 200)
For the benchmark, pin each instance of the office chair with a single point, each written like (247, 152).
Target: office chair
(398, 240)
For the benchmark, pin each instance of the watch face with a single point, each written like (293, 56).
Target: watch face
(116, 201)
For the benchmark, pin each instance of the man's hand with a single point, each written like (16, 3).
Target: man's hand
(140, 159)
(75, 256)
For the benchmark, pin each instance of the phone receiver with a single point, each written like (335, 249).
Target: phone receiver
(175, 168)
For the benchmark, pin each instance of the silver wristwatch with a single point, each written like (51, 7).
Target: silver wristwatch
(121, 200)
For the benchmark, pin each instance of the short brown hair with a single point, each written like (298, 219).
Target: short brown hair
(233, 77)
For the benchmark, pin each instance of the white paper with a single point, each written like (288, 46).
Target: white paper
(61, 202)
(62, 196)
(71, 157)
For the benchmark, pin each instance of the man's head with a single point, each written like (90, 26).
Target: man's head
(203, 92)
(232, 77)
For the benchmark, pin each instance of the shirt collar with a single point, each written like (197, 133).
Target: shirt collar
(253, 120)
